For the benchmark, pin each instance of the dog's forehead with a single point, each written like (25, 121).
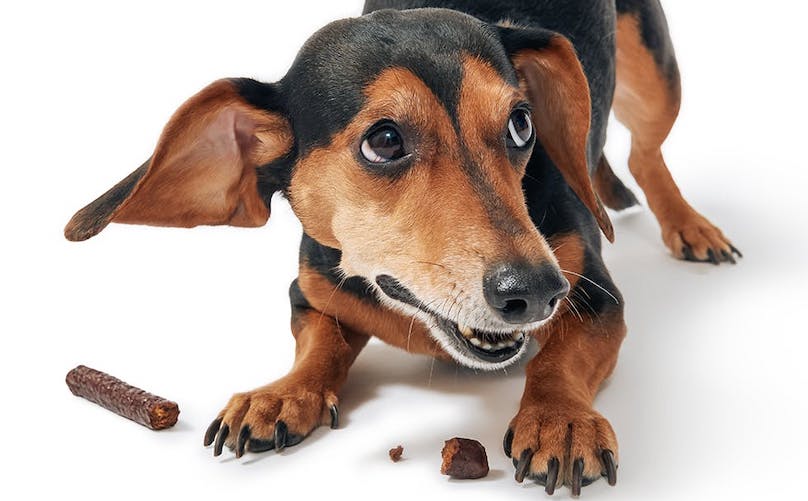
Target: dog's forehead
(325, 86)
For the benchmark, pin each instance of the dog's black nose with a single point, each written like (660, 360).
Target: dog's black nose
(521, 293)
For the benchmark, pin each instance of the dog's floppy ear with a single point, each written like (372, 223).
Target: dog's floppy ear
(204, 169)
(552, 77)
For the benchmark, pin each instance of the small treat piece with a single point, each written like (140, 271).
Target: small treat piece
(113, 394)
(464, 458)
(395, 454)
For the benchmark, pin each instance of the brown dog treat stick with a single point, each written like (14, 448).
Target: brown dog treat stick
(464, 458)
(125, 400)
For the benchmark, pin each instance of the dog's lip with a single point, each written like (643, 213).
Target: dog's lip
(502, 347)
(507, 345)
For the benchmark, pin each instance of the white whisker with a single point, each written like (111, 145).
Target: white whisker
(593, 283)
(574, 308)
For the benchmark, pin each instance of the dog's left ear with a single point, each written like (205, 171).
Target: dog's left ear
(552, 77)
(207, 167)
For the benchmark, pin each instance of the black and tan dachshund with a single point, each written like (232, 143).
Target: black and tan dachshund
(445, 159)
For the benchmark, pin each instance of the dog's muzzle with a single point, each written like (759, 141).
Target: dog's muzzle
(490, 347)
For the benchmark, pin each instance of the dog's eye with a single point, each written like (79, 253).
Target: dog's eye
(383, 144)
(520, 129)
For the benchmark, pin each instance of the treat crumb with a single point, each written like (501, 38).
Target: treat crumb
(395, 453)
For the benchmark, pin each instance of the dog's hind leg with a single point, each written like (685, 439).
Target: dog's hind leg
(611, 190)
(283, 413)
(647, 99)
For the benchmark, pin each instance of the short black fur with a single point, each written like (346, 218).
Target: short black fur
(324, 87)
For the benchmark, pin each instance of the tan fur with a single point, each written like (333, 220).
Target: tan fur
(559, 92)
(437, 249)
(648, 104)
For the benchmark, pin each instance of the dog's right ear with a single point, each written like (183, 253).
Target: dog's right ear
(205, 168)
(553, 79)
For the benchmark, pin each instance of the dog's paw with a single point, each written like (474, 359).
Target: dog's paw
(275, 416)
(693, 238)
(562, 443)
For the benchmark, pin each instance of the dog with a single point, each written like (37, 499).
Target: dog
(445, 159)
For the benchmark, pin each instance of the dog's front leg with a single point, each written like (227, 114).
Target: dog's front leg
(283, 413)
(557, 437)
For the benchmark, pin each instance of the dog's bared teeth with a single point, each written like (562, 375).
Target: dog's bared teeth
(466, 331)
(491, 342)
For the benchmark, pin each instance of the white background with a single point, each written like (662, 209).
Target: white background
(709, 397)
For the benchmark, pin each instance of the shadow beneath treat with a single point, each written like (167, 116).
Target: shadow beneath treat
(493, 476)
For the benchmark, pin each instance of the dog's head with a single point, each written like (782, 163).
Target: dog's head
(401, 139)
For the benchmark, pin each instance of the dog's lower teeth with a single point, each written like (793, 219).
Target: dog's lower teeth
(491, 345)
(465, 330)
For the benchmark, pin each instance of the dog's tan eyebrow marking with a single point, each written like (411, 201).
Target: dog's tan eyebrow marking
(400, 94)
(486, 101)
(396, 94)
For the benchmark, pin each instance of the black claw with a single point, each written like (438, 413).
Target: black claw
(611, 469)
(210, 434)
(712, 257)
(220, 438)
(728, 257)
(735, 251)
(523, 465)
(577, 476)
(259, 445)
(243, 438)
(281, 434)
(688, 253)
(507, 442)
(334, 416)
(552, 476)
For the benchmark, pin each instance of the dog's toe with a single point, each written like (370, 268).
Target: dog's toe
(276, 416)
